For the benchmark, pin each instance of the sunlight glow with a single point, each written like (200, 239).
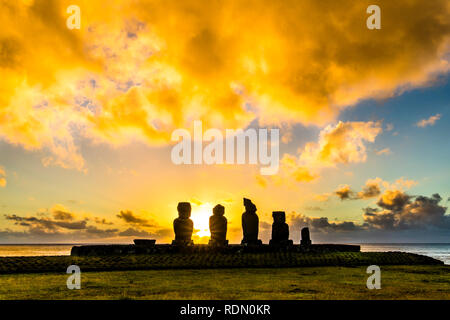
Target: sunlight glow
(200, 215)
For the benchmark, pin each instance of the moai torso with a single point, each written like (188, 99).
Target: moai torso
(183, 229)
(250, 222)
(218, 224)
(280, 229)
(183, 226)
(218, 227)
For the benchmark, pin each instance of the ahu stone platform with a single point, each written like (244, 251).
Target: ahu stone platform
(137, 249)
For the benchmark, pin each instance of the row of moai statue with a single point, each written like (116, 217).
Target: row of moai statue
(184, 227)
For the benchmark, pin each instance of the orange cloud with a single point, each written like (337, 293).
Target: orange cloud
(373, 187)
(342, 143)
(137, 70)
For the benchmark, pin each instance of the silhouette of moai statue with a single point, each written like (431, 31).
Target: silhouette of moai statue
(183, 226)
(218, 227)
(306, 241)
(280, 229)
(250, 224)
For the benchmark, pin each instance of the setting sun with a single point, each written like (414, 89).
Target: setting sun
(200, 216)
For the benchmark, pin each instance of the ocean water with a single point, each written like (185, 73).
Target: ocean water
(440, 251)
(26, 250)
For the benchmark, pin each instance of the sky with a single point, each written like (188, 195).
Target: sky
(86, 118)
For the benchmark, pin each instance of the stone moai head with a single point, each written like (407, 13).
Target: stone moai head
(184, 210)
(249, 206)
(279, 217)
(219, 210)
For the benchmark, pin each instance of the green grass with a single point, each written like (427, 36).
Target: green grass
(210, 261)
(397, 282)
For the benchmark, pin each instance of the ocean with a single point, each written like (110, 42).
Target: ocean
(440, 251)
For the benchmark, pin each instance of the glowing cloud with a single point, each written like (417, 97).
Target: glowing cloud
(137, 70)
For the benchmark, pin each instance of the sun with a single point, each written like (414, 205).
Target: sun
(200, 215)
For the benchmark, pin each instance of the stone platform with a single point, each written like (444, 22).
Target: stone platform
(132, 249)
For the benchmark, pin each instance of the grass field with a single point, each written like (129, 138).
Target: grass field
(397, 282)
(338, 275)
(210, 261)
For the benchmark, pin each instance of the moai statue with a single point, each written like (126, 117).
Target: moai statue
(183, 226)
(280, 229)
(306, 241)
(250, 224)
(218, 227)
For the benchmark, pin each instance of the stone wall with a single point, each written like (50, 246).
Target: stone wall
(107, 250)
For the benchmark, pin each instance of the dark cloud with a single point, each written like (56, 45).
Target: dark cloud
(401, 211)
(398, 217)
(370, 190)
(63, 215)
(394, 200)
(129, 217)
(345, 193)
(64, 227)
(102, 221)
(322, 225)
(46, 223)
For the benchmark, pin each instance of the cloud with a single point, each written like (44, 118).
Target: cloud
(295, 170)
(403, 183)
(344, 192)
(342, 143)
(321, 225)
(428, 122)
(370, 190)
(393, 200)
(398, 210)
(64, 226)
(130, 75)
(373, 188)
(45, 223)
(102, 221)
(385, 151)
(2, 177)
(412, 218)
(129, 217)
(61, 213)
